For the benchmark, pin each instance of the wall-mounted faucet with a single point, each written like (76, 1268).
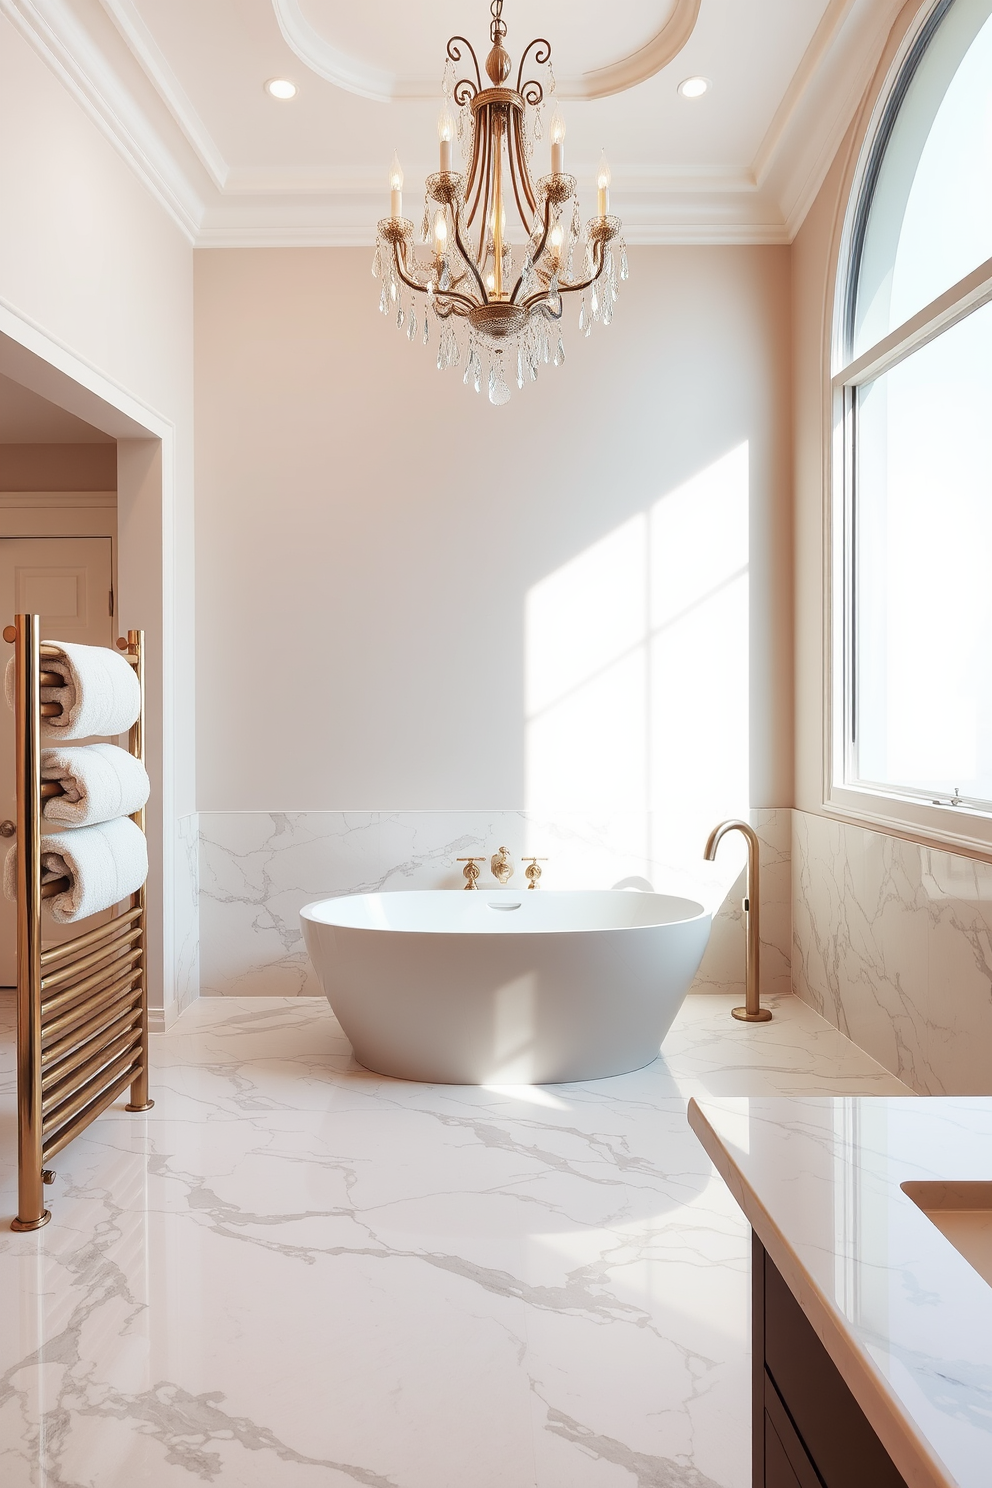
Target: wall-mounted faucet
(532, 872)
(752, 1011)
(501, 865)
(471, 871)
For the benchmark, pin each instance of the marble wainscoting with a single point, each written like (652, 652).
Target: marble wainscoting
(257, 870)
(892, 942)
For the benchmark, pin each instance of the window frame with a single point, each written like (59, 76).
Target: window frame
(966, 826)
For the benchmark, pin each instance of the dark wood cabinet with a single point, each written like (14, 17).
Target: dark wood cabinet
(808, 1429)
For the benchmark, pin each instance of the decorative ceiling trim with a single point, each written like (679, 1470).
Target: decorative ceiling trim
(125, 16)
(354, 76)
(71, 53)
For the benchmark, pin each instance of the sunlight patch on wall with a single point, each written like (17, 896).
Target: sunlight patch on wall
(637, 695)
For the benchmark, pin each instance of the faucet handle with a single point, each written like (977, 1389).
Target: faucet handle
(471, 871)
(533, 873)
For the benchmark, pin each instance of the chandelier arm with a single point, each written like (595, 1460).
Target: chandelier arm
(456, 298)
(528, 186)
(460, 95)
(404, 273)
(534, 93)
(540, 249)
(518, 169)
(599, 263)
(474, 178)
(469, 261)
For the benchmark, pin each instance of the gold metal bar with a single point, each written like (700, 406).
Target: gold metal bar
(82, 1076)
(97, 979)
(96, 1025)
(74, 968)
(72, 1128)
(498, 208)
(51, 679)
(49, 652)
(91, 938)
(101, 1000)
(55, 886)
(31, 1211)
(50, 788)
(85, 1093)
(77, 1046)
(140, 1100)
(49, 710)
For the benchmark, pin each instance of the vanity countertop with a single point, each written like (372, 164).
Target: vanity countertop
(904, 1317)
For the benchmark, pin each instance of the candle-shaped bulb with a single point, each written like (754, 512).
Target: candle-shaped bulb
(557, 239)
(604, 177)
(445, 133)
(396, 188)
(490, 282)
(440, 234)
(557, 143)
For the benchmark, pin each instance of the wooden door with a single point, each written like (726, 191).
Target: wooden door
(68, 582)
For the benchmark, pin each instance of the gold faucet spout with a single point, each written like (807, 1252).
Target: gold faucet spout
(752, 1011)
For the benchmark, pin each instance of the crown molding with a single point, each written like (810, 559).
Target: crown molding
(354, 76)
(821, 103)
(104, 54)
(129, 23)
(67, 47)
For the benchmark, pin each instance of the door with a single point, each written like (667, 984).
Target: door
(68, 581)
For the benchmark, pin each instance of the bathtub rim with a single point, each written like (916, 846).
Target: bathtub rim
(702, 913)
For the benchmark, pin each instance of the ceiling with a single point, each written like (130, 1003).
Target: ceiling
(26, 418)
(178, 86)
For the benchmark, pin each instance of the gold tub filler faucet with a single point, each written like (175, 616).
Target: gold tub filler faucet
(501, 865)
(752, 1011)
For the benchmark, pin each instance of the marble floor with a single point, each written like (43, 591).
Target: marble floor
(296, 1274)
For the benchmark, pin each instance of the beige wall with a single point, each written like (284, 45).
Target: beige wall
(370, 533)
(58, 467)
(96, 315)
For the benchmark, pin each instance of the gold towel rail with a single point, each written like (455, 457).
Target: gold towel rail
(109, 948)
(91, 938)
(82, 1007)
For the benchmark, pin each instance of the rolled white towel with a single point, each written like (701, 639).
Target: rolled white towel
(103, 863)
(100, 782)
(100, 695)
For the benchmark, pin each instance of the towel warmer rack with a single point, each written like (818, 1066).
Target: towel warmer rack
(82, 1007)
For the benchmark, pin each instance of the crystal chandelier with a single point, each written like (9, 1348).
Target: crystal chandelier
(496, 311)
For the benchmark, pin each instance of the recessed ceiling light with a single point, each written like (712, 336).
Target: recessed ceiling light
(694, 87)
(280, 88)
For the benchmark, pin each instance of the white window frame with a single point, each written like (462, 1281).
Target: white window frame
(966, 826)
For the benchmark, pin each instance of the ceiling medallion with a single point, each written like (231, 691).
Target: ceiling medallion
(492, 305)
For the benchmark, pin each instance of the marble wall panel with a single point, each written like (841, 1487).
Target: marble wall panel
(257, 869)
(892, 942)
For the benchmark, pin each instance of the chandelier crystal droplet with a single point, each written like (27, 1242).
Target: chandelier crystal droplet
(495, 306)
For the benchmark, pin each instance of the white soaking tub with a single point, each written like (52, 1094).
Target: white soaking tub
(502, 987)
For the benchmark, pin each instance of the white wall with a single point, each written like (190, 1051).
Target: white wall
(373, 539)
(95, 274)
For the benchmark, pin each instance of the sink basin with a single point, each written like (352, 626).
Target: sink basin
(963, 1213)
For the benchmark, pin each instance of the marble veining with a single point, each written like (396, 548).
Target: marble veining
(892, 942)
(293, 1272)
(257, 870)
(905, 1318)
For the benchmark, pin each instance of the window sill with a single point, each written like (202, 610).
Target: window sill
(955, 829)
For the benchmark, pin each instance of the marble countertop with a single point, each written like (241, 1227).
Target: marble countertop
(903, 1315)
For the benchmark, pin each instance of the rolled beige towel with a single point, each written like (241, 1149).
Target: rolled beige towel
(104, 863)
(99, 782)
(100, 694)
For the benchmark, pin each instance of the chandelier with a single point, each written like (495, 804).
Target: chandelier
(496, 311)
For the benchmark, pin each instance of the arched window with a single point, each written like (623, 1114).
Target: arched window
(915, 396)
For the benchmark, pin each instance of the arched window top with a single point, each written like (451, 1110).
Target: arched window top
(925, 216)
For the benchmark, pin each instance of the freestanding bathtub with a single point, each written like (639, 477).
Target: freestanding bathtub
(503, 987)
